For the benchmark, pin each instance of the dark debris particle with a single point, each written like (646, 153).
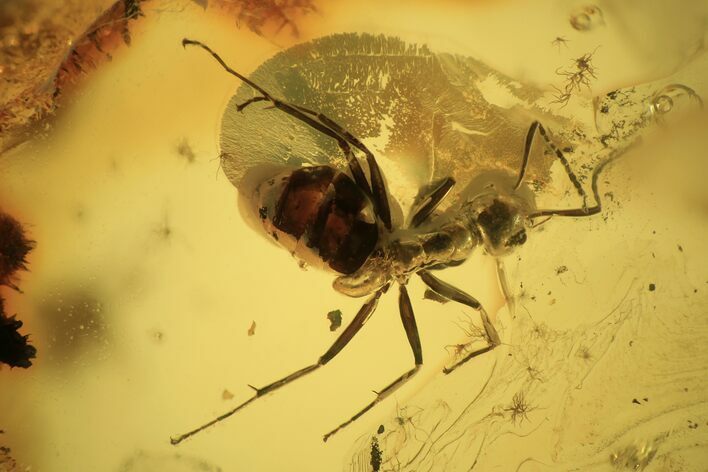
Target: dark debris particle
(380, 430)
(680, 248)
(561, 269)
(263, 212)
(430, 295)
(335, 319)
(652, 287)
(185, 150)
(15, 350)
(376, 455)
(635, 401)
(14, 247)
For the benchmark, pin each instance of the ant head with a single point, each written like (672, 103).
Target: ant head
(501, 220)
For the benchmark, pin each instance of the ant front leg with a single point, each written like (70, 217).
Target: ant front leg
(327, 126)
(452, 293)
(380, 194)
(537, 126)
(432, 200)
(585, 211)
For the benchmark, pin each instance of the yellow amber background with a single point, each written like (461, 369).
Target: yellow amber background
(145, 280)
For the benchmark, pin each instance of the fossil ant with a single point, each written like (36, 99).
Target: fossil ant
(341, 221)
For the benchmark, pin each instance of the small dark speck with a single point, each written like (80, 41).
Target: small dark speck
(567, 149)
(275, 235)
(380, 430)
(685, 389)
(335, 319)
(652, 287)
(631, 343)
(561, 269)
(185, 151)
(604, 109)
(680, 248)
(645, 399)
(263, 212)
(635, 401)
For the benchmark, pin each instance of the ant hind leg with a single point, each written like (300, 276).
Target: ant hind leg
(409, 324)
(347, 335)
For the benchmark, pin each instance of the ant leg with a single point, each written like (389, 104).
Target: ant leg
(377, 182)
(433, 200)
(359, 320)
(243, 105)
(352, 161)
(566, 165)
(527, 149)
(508, 296)
(452, 293)
(326, 126)
(408, 318)
(585, 211)
(355, 168)
(564, 161)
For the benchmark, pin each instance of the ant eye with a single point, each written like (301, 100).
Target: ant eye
(517, 239)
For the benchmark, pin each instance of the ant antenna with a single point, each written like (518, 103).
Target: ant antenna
(190, 42)
(595, 175)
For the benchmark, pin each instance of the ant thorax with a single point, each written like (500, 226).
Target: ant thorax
(495, 220)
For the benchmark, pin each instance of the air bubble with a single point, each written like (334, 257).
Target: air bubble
(663, 104)
(587, 18)
(673, 97)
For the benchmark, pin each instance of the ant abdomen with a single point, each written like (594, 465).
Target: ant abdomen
(320, 216)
